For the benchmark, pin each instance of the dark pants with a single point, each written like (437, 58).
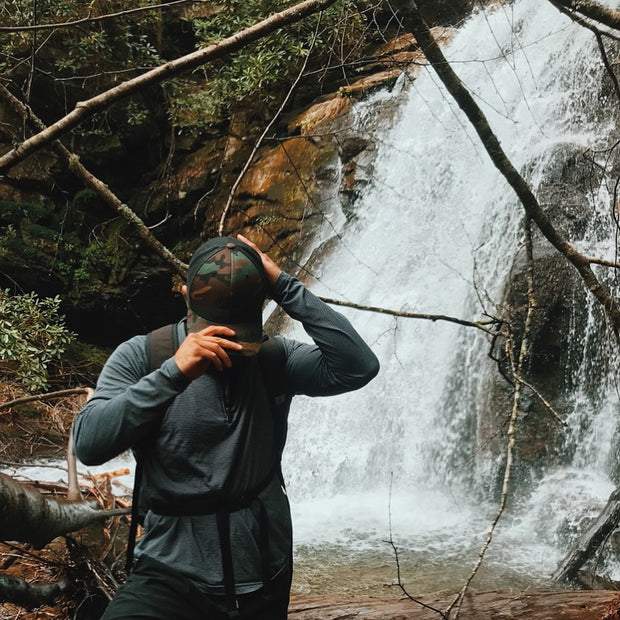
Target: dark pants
(155, 592)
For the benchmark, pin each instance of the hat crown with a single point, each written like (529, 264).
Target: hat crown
(226, 286)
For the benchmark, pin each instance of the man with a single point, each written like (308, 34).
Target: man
(210, 424)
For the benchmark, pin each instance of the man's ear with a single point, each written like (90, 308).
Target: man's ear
(184, 293)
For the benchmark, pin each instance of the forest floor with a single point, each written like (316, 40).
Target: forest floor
(41, 429)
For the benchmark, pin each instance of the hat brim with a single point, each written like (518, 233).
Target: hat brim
(248, 336)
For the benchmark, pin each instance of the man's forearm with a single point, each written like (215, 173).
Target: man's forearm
(345, 361)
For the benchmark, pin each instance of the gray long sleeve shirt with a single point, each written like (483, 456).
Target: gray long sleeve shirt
(131, 403)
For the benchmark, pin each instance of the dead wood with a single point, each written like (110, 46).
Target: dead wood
(26, 515)
(590, 541)
(29, 595)
(531, 605)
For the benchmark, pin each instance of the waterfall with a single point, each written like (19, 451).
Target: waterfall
(436, 232)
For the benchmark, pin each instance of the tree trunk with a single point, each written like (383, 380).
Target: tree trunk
(494, 605)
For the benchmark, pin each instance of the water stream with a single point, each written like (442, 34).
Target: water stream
(435, 232)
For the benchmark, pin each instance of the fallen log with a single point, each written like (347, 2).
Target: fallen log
(530, 605)
(27, 515)
(588, 543)
(25, 594)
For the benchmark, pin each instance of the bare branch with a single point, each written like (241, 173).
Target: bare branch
(604, 262)
(591, 540)
(544, 401)
(493, 147)
(97, 18)
(593, 10)
(260, 140)
(414, 315)
(73, 486)
(72, 163)
(85, 109)
(516, 367)
(399, 582)
(48, 396)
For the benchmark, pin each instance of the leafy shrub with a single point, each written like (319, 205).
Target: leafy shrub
(32, 334)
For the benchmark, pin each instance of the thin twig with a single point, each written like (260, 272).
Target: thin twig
(48, 396)
(260, 140)
(399, 582)
(73, 487)
(517, 369)
(416, 315)
(544, 401)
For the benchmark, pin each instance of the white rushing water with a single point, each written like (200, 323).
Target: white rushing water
(435, 233)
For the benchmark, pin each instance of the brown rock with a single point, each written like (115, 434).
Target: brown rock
(320, 113)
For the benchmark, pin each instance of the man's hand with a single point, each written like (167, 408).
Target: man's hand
(272, 271)
(205, 349)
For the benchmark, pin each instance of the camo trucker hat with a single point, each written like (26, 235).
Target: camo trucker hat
(226, 286)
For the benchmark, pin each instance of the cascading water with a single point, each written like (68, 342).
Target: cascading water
(436, 232)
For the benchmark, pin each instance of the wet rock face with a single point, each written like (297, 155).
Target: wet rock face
(562, 337)
(560, 305)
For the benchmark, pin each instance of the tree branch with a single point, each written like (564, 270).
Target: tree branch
(97, 18)
(399, 581)
(414, 315)
(49, 395)
(248, 163)
(85, 109)
(516, 367)
(73, 486)
(72, 163)
(492, 145)
(592, 10)
(588, 543)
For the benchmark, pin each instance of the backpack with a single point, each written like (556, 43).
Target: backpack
(162, 343)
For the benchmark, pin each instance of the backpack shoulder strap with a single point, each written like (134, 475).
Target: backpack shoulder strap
(272, 362)
(162, 343)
